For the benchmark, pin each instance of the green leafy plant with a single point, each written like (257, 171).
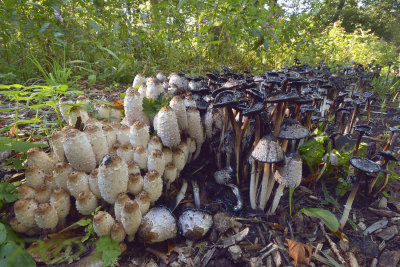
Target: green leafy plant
(107, 250)
(327, 217)
(152, 106)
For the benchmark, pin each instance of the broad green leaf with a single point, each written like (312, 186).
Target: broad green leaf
(3, 234)
(312, 153)
(327, 217)
(95, 25)
(19, 146)
(8, 192)
(108, 249)
(12, 255)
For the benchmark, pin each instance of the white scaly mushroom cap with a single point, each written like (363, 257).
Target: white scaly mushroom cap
(73, 115)
(50, 182)
(78, 151)
(37, 157)
(122, 132)
(170, 173)
(155, 161)
(133, 168)
(46, 216)
(110, 134)
(117, 232)
(57, 144)
(290, 173)
(25, 191)
(25, 210)
(143, 200)
(139, 134)
(42, 194)
(125, 152)
(195, 224)
(142, 90)
(135, 184)
(167, 152)
(34, 176)
(179, 81)
(60, 200)
(103, 111)
(185, 148)
(83, 114)
(195, 128)
(140, 157)
(139, 79)
(167, 127)
(157, 225)
(115, 115)
(154, 88)
(86, 202)
(133, 107)
(94, 121)
(122, 198)
(102, 223)
(178, 158)
(82, 99)
(155, 122)
(161, 77)
(153, 185)
(61, 173)
(189, 103)
(77, 182)
(93, 184)
(191, 144)
(98, 141)
(178, 106)
(18, 227)
(154, 144)
(112, 177)
(131, 217)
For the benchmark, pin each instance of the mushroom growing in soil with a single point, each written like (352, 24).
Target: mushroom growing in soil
(167, 127)
(153, 185)
(25, 210)
(133, 107)
(46, 216)
(157, 225)
(289, 175)
(363, 166)
(156, 162)
(135, 183)
(102, 223)
(57, 144)
(224, 177)
(131, 217)
(178, 106)
(78, 151)
(61, 173)
(267, 150)
(195, 129)
(34, 176)
(117, 232)
(86, 202)
(194, 224)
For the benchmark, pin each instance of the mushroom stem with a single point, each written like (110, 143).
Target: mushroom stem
(349, 203)
(271, 183)
(264, 186)
(253, 187)
(181, 195)
(196, 194)
(221, 140)
(353, 120)
(237, 131)
(236, 192)
(278, 195)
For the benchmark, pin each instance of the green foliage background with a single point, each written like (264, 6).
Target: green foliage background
(104, 40)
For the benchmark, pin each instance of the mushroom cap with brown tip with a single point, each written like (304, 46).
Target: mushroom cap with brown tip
(157, 225)
(290, 173)
(268, 150)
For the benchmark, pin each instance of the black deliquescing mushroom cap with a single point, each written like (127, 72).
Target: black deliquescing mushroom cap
(293, 130)
(307, 108)
(201, 104)
(288, 97)
(257, 94)
(303, 100)
(268, 150)
(362, 128)
(368, 94)
(257, 108)
(224, 176)
(364, 165)
(225, 98)
(388, 155)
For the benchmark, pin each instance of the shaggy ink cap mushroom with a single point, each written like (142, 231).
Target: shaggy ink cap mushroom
(364, 165)
(268, 150)
(388, 155)
(158, 225)
(293, 130)
(194, 224)
(225, 98)
(288, 97)
(257, 108)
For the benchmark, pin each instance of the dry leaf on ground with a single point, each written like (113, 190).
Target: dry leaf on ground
(299, 252)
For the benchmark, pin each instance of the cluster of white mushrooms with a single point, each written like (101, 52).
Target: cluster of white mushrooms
(104, 163)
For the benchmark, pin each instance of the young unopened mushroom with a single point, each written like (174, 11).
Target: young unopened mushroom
(122, 132)
(178, 80)
(18, 227)
(135, 183)
(142, 90)
(157, 225)
(178, 106)
(131, 217)
(119, 205)
(93, 184)
(102, 223)
(170, 174)
(154, 88)
(77, 182)
(37, 157)
(167, 153)
(103, 111)
(86, 202)
(25, 191)
(110, 134)
(153, 185)
(57, 144)
(112, 177)
(60, 200)
(139, 79)
(42, 194)
(140, 157)
(167, 127)
(125, 152)
(64, 106)
(46, 216)
(143, 200)
(194, 224)
(133, 168)
(192, 147)
(289, 175)
(78, 151)
(178, 159)
(154, 143)
(25, 210)
(139, 134)
(50, 182)
(185, 148)
(34, 176)
(98, 141)
(117, 233)
(156, 162)
(195, 128)
(133, 107)
(115, 115)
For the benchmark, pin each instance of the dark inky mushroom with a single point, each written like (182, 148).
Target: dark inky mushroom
(292, 130)
(224, 177)
(387, 157)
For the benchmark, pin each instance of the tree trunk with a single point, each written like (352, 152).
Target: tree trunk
(338, 11)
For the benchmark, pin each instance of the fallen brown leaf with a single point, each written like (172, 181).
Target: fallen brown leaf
(118, 104)
(13, 131)
(299, 252)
